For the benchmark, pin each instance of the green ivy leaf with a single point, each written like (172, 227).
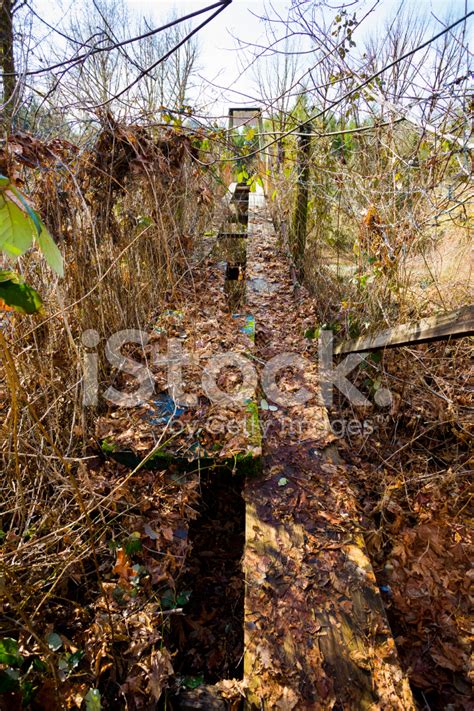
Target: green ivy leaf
(19, 296)
(133, 544)
(27, 691)
(144, 221)
(168, 600)
(8, 680)
(9, 653)
(192, 682)
(183, 597)
(75, 659)
(375, 357)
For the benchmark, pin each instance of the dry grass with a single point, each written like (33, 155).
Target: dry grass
(412, 463)
(126, 214)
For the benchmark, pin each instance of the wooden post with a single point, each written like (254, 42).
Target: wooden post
(300, 216)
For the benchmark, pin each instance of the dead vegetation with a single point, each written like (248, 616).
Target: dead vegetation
(98, 556)
(412, 471)
(390, 241)
(126, 211)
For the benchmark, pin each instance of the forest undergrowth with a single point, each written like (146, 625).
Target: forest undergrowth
(411, 469)
(90, 552)
(388, 244)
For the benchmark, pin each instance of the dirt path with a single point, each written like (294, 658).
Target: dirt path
(316, 635)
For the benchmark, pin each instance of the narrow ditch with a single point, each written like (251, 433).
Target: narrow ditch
(208, 638)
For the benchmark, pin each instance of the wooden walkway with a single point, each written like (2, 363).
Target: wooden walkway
(456, 324)
(316, 634)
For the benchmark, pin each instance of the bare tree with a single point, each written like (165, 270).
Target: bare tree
(182, 67)
(276, 74)
(103, 74)
(169, 84)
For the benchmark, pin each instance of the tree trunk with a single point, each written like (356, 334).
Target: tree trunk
(7, 61)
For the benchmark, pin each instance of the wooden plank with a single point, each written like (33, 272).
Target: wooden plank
(316, 635)
(455, 324)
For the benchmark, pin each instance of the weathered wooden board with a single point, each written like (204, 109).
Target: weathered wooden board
(455, 324)
(316, 633)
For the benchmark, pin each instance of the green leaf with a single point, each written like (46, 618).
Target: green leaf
(9, 653)
(192, 682)
(375, 357)
(16, 230)
(183, 597)
(133, 544)
(38, 664)
(312, 332)
(54, 641)
(28, 690)
(144, 221)
(8, 680)
(283, 481)
(18, 227)
(50, 251)
(29, 210)
(8, 275)
(168, 600)
(92, 699)
(75, 659)
(63, 665)
(20, 296)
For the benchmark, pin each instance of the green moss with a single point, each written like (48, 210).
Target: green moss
(107, 446)
(252, 424)
(243, 463)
